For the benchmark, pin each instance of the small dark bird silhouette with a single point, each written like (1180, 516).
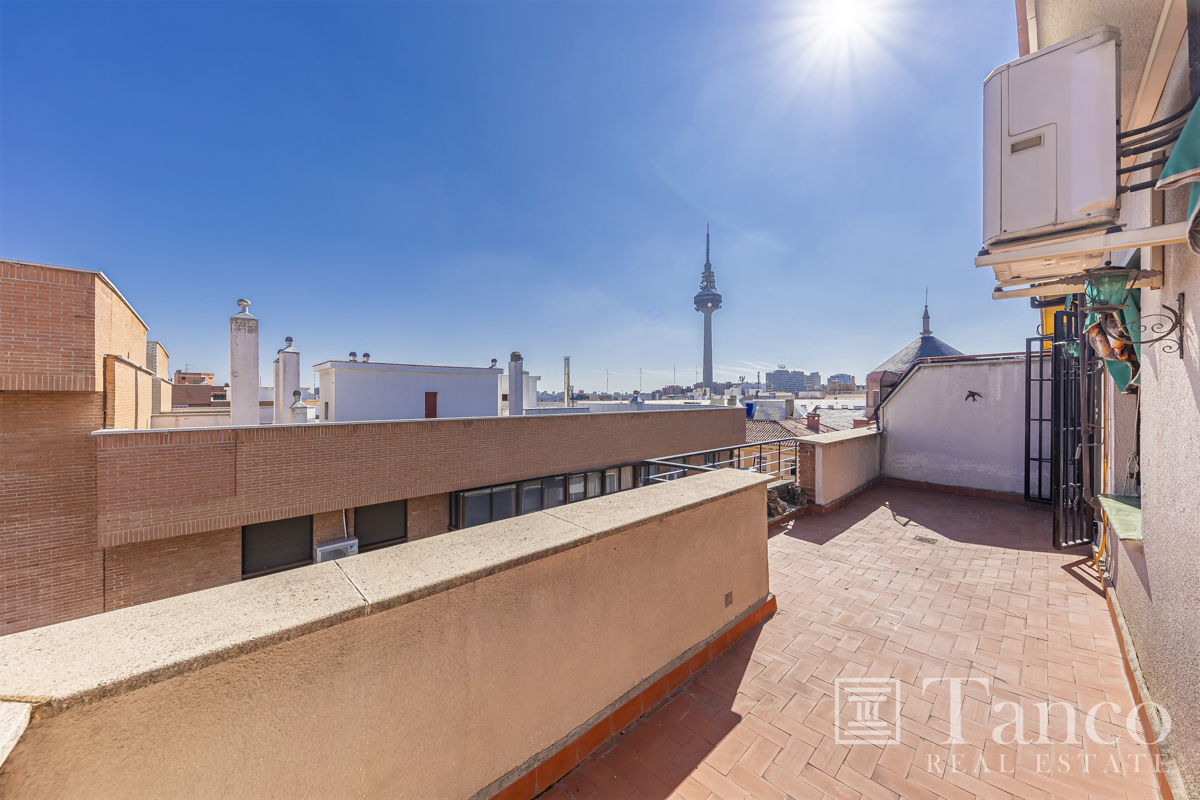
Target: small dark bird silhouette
(974, 397)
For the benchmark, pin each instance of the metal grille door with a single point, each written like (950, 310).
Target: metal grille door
(1070, 444)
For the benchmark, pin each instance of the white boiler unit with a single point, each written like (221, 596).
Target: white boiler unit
(1050, 122)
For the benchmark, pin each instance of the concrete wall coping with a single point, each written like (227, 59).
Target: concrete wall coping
(86, 660)
(322, 425)
(840, 436)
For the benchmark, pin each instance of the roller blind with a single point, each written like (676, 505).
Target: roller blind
(381, 522)
(266, 545)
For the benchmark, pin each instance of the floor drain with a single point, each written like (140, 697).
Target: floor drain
(925, 539)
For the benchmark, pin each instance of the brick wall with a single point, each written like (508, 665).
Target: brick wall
(328, 526)
(428, 516)
(157, 484)
(140, 573)
(51, 568)
(47, 338)
(118, 329)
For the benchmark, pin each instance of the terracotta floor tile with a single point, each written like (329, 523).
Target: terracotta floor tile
(859, 597)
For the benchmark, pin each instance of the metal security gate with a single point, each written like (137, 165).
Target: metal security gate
(1070, 432)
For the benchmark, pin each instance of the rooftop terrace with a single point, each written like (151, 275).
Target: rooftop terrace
(859, 595)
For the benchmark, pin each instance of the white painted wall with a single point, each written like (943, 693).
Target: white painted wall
(530, 394)
(933, 434)
(357, 391)
(190, 419)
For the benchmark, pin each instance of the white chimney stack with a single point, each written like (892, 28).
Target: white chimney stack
(288, 381)
(299, 411)
(516, 385)
(243, 366)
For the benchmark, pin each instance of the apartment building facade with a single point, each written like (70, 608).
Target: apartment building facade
(100, 512)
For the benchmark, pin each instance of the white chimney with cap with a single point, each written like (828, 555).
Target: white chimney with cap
(243, 366)
(289, 380)
(298, 411)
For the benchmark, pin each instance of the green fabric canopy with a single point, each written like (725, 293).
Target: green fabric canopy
(1184, 167)
(1110, 290)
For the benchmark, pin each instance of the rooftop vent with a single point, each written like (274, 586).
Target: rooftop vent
(353, 356)
(366, 356)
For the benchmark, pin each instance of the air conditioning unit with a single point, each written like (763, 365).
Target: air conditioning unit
(1050, 122)
(339, 548)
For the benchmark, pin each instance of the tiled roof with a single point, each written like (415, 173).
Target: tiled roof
(921, 347)
(764, 430)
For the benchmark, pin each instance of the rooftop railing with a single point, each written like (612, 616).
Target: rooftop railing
(776, 457)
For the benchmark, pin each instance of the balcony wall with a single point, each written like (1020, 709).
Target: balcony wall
(843, 463)
(447, 668)
(162, 483)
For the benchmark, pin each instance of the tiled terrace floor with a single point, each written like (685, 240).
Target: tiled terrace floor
(860, 596)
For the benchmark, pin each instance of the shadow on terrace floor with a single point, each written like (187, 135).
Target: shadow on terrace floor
(860, 597)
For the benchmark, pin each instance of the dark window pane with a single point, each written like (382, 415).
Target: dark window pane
(267, 545)
(626, 478)
(593, 484)
(381, 522)
(504, 502)
(531, 497)
(552, 492)
(576, 488)
(477, 507)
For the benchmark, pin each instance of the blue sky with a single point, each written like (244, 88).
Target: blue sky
(444, 182)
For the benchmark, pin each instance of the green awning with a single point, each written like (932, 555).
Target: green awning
(1113, 290)
(1184, 167)
(1124, 515)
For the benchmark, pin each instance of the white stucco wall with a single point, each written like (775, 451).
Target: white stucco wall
(843, 462)
(933, 434)
(357, 391)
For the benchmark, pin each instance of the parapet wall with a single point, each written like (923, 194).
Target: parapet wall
(445, 668)
(162, 483)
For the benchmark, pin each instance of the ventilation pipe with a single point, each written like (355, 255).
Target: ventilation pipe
(354, 356)
(366, 358)
(243, 366)
(277, 399)
(516, 385)
(289, 379)
(567, 401)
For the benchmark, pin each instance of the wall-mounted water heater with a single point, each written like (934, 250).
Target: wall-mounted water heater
(1050, 122)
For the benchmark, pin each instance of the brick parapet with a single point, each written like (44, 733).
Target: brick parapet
(162, 483)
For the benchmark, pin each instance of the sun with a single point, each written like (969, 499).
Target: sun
(843, 17)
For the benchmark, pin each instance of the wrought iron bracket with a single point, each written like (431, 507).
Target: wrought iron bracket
(1169, 331)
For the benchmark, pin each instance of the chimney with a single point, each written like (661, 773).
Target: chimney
(278, 405)
(366, 358)
(289, 379)
(516, 385)
(353, 356)
(299, 411)
(813, 421)
(243, 366)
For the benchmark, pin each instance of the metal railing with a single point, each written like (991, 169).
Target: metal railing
(777, 457)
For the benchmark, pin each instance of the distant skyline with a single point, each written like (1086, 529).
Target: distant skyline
(448, 182)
